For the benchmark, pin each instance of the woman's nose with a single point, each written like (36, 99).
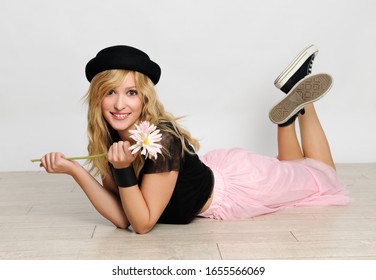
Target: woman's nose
(120, 102)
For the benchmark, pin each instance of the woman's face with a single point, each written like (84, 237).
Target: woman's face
(122, 106)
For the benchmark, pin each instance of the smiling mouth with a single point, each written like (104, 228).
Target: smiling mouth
(120, 116)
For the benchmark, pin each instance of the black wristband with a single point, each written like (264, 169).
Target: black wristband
(124, 177)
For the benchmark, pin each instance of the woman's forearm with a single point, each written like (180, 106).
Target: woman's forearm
(137, 210)
(106, 202)
(145, 205)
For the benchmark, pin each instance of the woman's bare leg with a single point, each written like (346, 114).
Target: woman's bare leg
(314, 142)
(288, 144)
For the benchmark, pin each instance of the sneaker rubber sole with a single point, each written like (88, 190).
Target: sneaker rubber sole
(308, 90)
(295, 65)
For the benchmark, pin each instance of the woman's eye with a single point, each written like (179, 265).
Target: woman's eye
(111, 92)
(132, 92)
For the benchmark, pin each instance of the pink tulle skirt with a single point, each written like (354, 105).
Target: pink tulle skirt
(248, 184)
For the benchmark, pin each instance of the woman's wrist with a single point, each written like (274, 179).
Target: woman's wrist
(76, 170)
(124, 177)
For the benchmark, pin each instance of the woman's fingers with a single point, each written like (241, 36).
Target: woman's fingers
(119, 154)
(55, 163)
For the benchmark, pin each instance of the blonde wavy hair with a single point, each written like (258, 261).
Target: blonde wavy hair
(101, 135)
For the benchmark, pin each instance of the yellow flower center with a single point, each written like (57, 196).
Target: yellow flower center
(146, 141)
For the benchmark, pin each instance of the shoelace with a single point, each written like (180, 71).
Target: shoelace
(309, 69)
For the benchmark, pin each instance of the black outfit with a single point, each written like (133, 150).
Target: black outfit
(194, 184)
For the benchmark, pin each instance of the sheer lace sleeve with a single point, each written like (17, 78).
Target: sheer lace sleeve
(169, 160)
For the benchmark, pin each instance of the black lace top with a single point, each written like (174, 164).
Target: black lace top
(194, 184)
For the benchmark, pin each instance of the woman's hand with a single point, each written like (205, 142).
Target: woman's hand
(56, 163)
(119, 155)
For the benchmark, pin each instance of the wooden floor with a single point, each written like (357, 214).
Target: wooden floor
(46, 216)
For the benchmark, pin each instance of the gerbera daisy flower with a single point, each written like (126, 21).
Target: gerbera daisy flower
(147, 137)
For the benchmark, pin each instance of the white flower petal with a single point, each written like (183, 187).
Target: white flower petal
(146, 132)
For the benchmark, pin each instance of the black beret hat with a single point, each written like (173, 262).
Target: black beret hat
(123, 57)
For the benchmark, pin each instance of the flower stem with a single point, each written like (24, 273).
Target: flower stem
(78, 158)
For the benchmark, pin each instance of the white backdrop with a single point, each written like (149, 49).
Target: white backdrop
(219, 59)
